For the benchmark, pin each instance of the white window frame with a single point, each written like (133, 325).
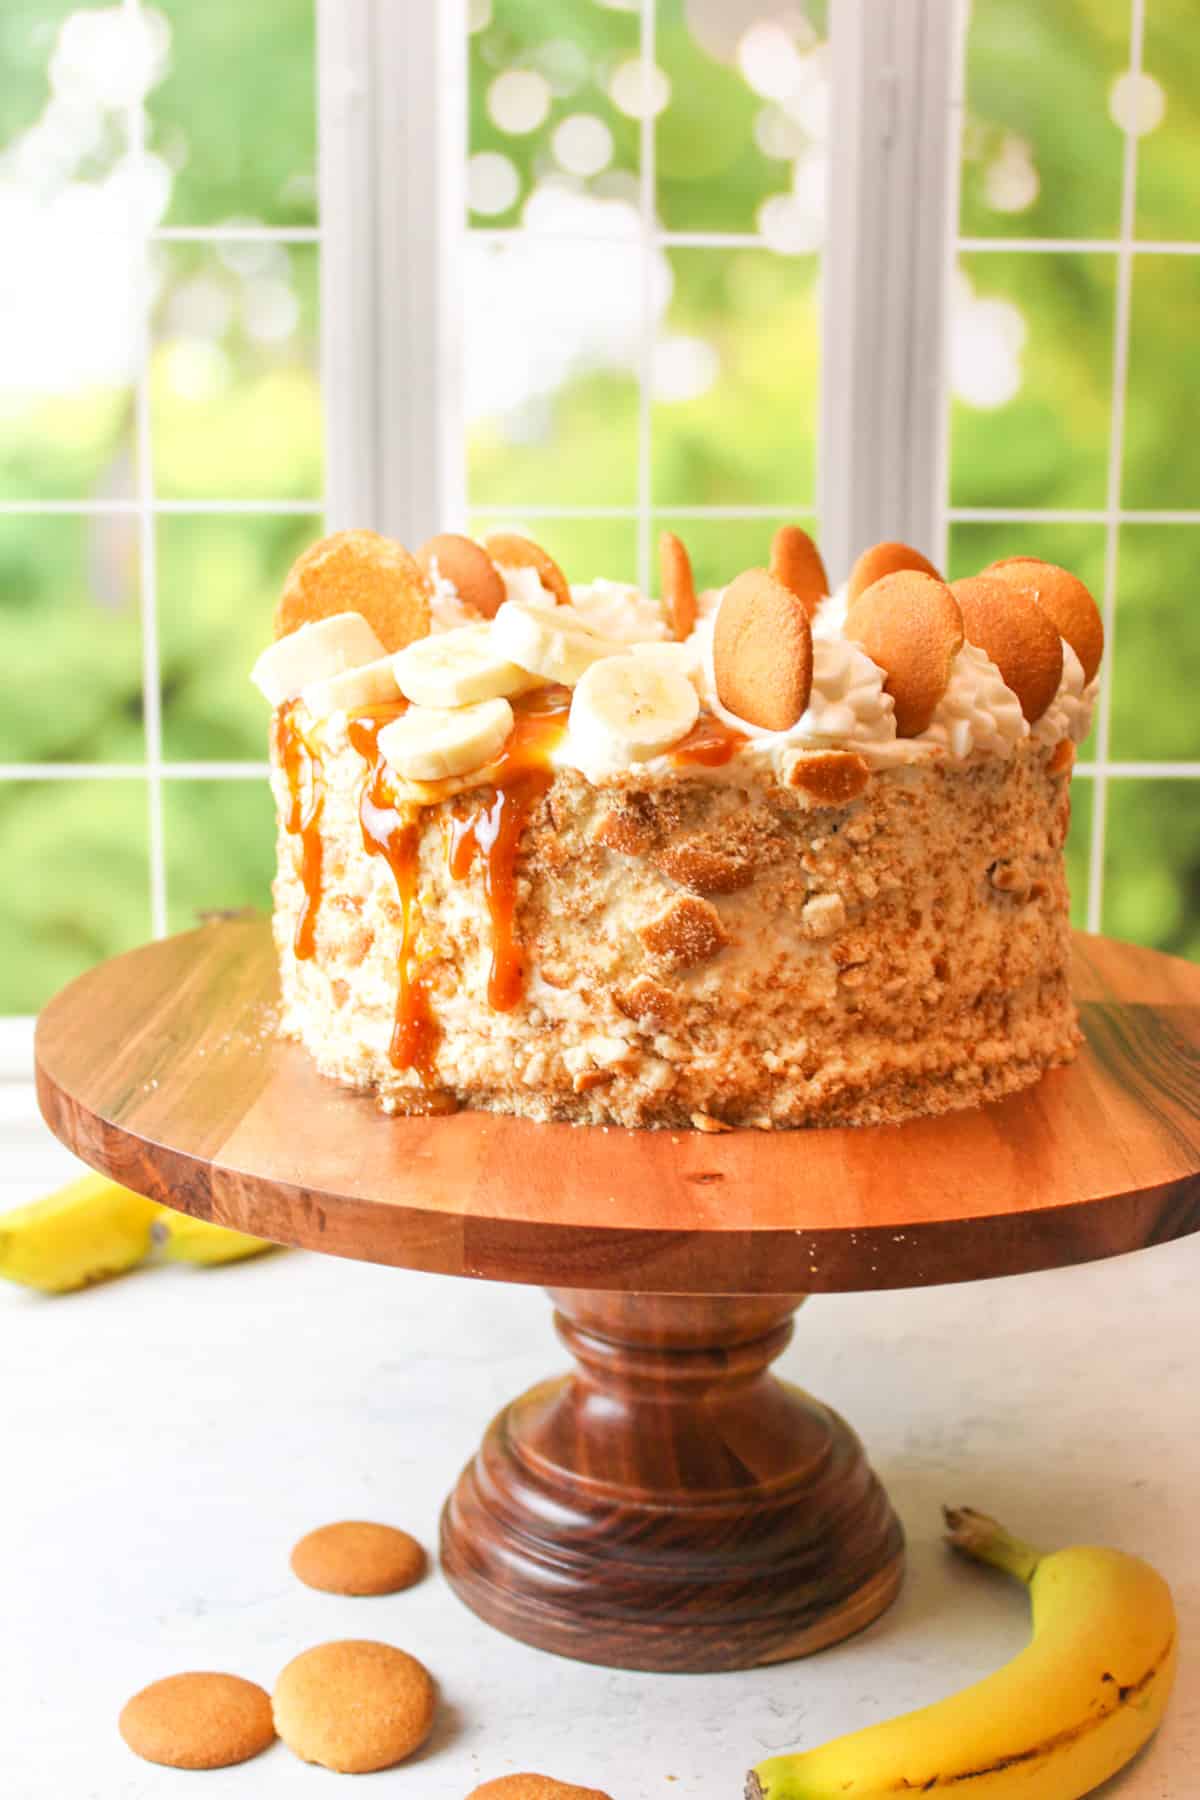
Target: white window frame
(892, 244)
(392, 110)
(393, 77)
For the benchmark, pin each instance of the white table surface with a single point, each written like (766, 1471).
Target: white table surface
(164, 1439)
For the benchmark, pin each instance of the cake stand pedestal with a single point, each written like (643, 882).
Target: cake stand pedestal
(671, 1504)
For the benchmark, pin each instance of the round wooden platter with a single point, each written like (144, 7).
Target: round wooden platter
(162, 1068)
(670, 1505)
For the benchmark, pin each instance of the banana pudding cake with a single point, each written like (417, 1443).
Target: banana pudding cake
(760, 856)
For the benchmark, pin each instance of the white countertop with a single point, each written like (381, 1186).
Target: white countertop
(165, 1439)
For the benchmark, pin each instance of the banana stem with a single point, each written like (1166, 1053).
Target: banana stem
(985, 1540)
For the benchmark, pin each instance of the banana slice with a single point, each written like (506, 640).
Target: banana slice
(431, 743)
(550, 641)
(314, 652)
(365, 686)
(627, 709)
(456, 668)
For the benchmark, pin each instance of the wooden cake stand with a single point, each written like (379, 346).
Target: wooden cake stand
(670, 1505)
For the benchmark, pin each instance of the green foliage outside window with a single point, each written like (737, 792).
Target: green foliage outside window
(234, 407)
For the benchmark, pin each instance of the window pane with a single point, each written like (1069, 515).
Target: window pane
(234, 119)
(551, 336)
(199, 816)
(740, 140)
(1042, 153)
(549, 145)
(1164, 384)
(583, 548)
(218, 580)
(76, 886)
(1152, 864)
(736, 381)
(235, 402)
(1079, 548)
(1156, 668)
(1164, 108)
(721, 548)
(1079, 848)
(69, 622)
(75, 213)
(1030, 372)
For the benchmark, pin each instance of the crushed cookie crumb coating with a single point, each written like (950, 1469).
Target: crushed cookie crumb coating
(843, 946)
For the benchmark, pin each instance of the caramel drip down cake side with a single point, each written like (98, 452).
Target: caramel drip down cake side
(538, 863)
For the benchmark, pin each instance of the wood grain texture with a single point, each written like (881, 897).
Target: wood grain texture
(672, 1505)
(162, 1068)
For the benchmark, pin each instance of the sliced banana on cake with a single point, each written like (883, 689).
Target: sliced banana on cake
(550, 641)
(627, 709)
(432, 743)
(365, 686)
(313, 653)
(457, 668)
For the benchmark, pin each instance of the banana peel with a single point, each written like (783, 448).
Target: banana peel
(1076, 1705)
(94, 1228)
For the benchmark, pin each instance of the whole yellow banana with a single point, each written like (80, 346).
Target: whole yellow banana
(93, 1228)
(81, 1233)
(179, 1238)
(1077, 1703)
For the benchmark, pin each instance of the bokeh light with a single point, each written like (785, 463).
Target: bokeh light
(987, 337)
(493, 183)
(1011, 182)
(518, 101)
(583, 144)
(684, 368)
(639, 89)
(1137, 102)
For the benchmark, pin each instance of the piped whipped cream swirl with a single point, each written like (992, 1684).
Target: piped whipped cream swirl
(978, 711)
(1069, 714)
(620, 611)
(830, 619)
(447, 608)
(847, 706)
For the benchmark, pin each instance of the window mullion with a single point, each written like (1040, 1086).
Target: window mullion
(896, 73)
(392, 111)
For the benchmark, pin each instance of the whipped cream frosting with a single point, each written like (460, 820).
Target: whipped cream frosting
(848, 707)
(524, 585)
(620, 611)
(1069, 714)
(978, 711)
(447, 609)
(830, 620)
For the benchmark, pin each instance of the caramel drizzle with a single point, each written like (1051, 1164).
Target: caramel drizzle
(492, 829)
(710, 742)
(395, 834)
(301, 766)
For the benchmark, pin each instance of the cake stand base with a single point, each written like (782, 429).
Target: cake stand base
(672, 1505)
